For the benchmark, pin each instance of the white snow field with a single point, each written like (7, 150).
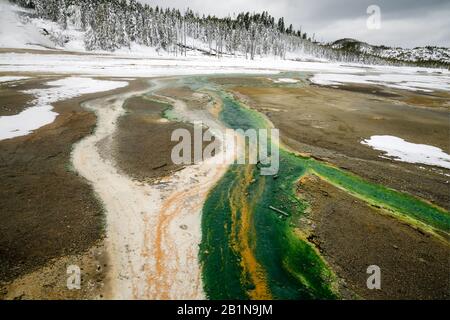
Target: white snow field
(116, 65)
(414, 82)
(41, 112)
(401, 150)
(324, 73)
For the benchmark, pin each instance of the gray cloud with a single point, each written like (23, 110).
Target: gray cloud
(406, 23)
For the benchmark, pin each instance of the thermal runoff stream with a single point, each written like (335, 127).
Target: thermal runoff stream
(228, 228)
(252, 246)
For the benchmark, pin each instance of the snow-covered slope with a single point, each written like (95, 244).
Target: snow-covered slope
(17, 30)
(21, 29)
(428, 54)
(417, 54)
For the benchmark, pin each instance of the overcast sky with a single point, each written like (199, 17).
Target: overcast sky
(406, 23)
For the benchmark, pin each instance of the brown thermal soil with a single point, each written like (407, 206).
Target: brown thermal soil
(238, 81)
(47, 211)
(143, 143)
(194, 100)
(330, 123)
(437, 99)
(352, 235)
(50, 281)
(12, 98)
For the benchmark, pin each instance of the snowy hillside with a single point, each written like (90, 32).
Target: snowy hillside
(417, 54)
(427, 56)
(19, 30)
(22, 28)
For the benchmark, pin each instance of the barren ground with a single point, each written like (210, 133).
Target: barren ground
(353, 235)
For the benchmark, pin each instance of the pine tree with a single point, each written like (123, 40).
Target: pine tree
(112, 24)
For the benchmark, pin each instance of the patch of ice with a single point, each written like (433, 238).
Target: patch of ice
(286, 80)
(7, 79)
(401, 150)
(41, 113)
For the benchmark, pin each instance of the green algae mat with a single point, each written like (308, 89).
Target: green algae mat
(251, 249)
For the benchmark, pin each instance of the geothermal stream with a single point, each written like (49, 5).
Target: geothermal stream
(153, 230)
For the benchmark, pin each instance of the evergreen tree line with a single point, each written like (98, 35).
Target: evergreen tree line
(114, 24)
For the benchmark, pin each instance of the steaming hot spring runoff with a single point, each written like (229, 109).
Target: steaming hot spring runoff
(197, 150)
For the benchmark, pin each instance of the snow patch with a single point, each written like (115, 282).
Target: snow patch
(401, 150)
(407, 81)
(41, 113)
(286, 80)
(8, 79)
